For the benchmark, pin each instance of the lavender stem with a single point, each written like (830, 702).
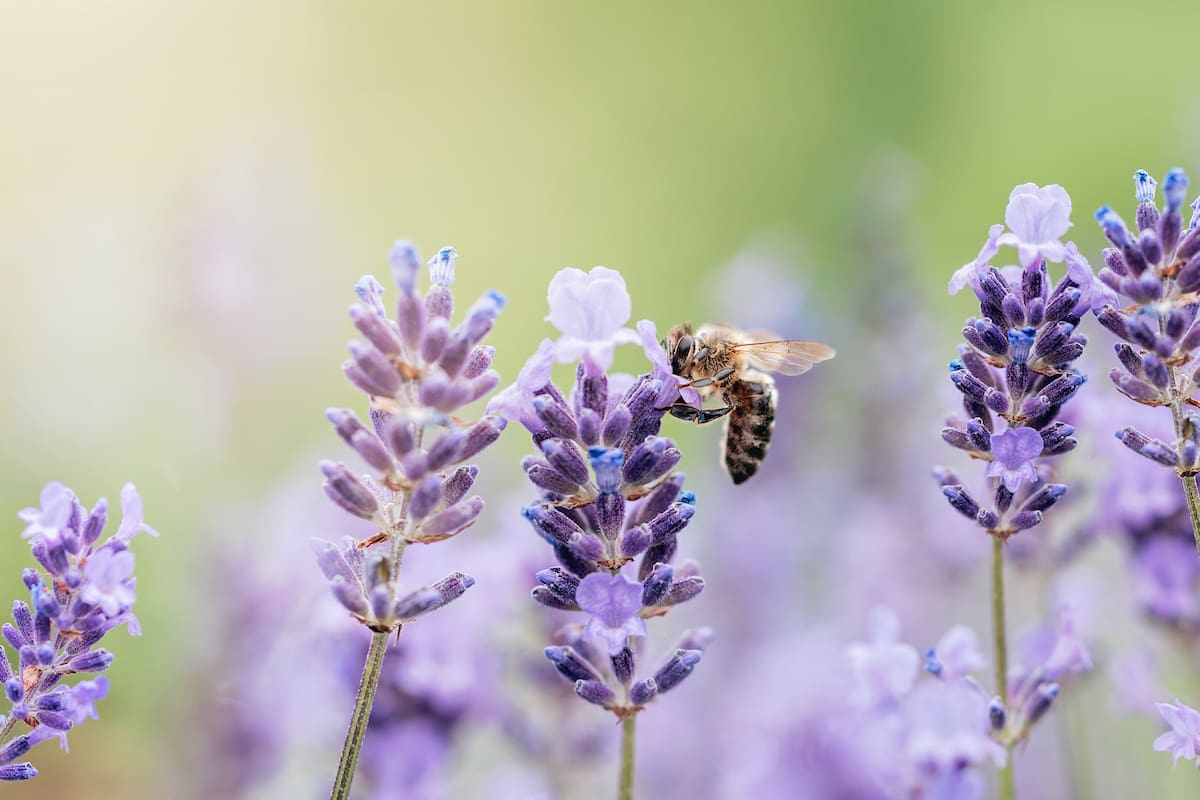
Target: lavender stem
(1185, 475)
(625, 790)
(7, 729)
(362, 713)
(1000, 634)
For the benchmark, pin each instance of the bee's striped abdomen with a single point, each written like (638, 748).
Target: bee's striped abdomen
(748, 428)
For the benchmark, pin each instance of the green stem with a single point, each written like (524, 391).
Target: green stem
(362, 713)
(1193, 504)
(1189, 481)
(8, 728)
(625, 790)
(1000, 635)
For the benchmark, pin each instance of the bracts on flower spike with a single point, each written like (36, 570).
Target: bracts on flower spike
(418, 371)
(612, 507)
(1155, 271)
(1015, 373)
(87, 589)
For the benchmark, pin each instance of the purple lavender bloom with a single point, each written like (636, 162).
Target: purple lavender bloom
(87, 590)
(1014, 450)
(1166, 576)
(956, 655)
(1154, 273)
(969, 274)
(57, 503)
(883, 668)
(1016, 363)
(418, 371)
(516, 401)
(917, 737)
(614, 602)
(609, 495)
(1037, 218)
(590, 310)
(1047, 658)
(1183, 740)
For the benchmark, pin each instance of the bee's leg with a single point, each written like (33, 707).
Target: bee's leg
(702, 382)
(700, 416)
(708, 415)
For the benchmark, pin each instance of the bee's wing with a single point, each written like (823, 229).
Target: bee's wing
(787, 357)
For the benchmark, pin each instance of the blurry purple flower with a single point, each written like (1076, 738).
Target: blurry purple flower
(1094, 293)
(1135, 683)
(590, 310)
(1165, 573)
(107, 581)
(86, 590)
(958, 654)
(1183, 740)
(133, 518)
(673, 385)
(516, 401)
(84, 696)
(1037, 217)
(883, 668)
(970, 273)
(614, 602)
(947, 728)
(1014, 450)
(57, 502)
(1069, 655)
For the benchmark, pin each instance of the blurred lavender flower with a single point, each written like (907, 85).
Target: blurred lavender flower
(437, 693)
(417, 372)
(924, 738)
(87, 590)
(1047, 658)
(1156, 273)
(1183, 740)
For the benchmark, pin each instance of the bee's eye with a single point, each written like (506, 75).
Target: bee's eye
(682, 351)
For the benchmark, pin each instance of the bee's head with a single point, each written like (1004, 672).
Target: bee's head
(680, 353)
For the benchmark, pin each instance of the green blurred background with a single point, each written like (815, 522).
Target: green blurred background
(189, 190)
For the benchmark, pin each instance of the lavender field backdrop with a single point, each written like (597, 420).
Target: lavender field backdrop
(191, 195)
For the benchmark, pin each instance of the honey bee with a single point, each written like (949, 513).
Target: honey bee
(735, 364)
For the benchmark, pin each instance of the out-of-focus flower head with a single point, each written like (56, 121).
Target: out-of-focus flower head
(87, 590)
(1183, 740)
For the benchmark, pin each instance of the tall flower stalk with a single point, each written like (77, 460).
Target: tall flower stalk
(1015, 374)
(1156, 274)
(611, 505)
(86, 590)
(417, 372)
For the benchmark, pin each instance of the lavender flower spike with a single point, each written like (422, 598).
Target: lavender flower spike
(418, 371)
(1016, 372)
(1016, 364)
(86, 590)
(414, 446)
(610, 504)
(1155, 273)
